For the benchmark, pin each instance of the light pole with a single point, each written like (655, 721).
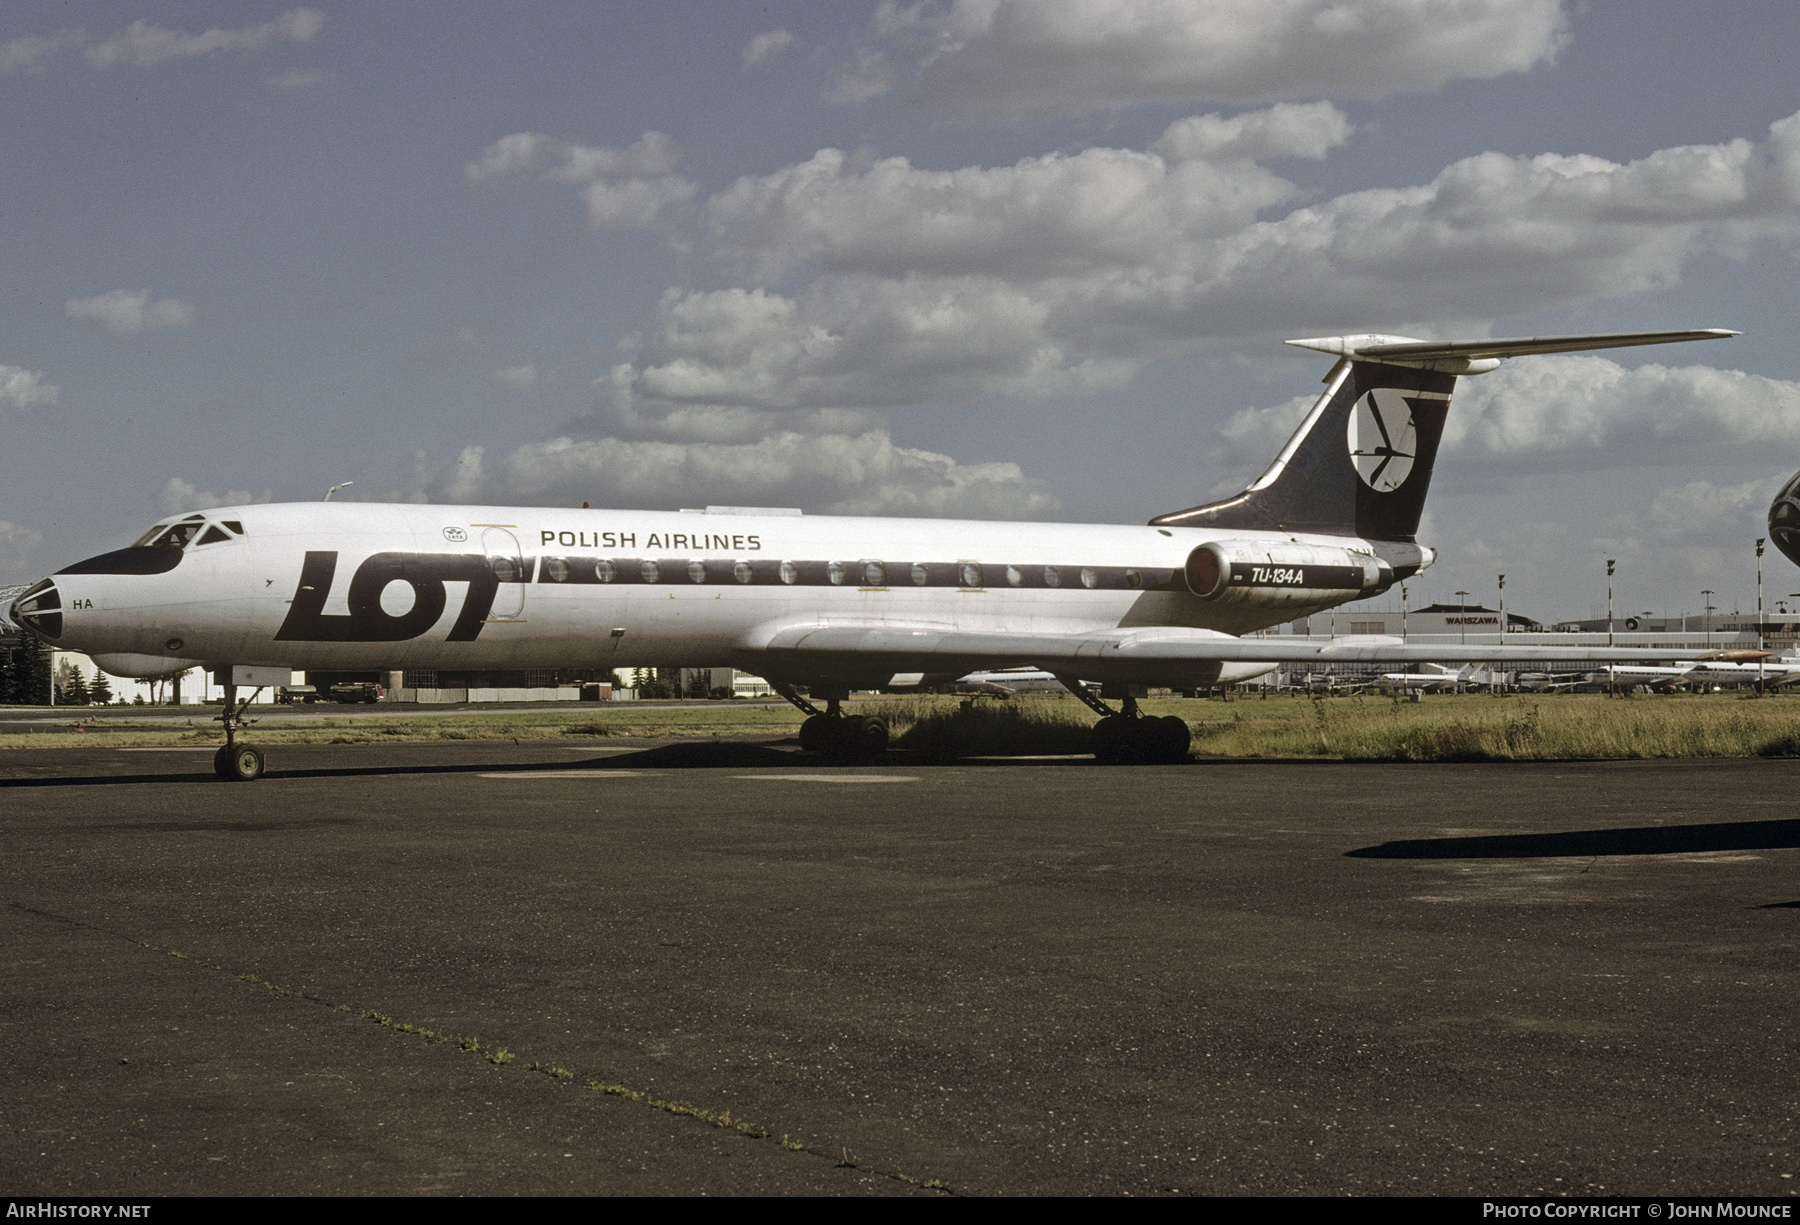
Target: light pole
(1609, 578)
(1503, 610)
(1463, 619)
(1706, 617)
(1402, 612)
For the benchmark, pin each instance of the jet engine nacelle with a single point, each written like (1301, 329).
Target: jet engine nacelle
(1252, 573)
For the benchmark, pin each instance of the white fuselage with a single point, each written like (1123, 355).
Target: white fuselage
(368, 586)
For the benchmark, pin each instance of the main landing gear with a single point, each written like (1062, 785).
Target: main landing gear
(240, 763)
(831, 733)
(1125, 737)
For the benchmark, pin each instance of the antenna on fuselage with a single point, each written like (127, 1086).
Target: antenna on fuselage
(335, 488)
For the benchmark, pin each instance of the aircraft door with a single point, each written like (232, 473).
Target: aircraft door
(507, 561)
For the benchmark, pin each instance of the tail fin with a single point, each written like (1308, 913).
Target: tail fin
(1360, 464)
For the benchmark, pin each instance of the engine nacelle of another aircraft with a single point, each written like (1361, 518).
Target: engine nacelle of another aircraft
(1285, 575)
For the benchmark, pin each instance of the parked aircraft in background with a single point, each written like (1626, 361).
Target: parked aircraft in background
(1009, 682)
(822, 603)
(1709, 673)
(1430, 678)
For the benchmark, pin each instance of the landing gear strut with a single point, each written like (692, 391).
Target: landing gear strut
(831, 733)
(1125, 736)
(241, 763)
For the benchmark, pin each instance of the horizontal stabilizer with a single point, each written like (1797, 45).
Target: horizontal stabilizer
(1405, 351)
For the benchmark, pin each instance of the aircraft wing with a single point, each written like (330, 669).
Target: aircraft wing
(1120, 650)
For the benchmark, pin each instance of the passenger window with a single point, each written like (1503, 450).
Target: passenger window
(920, 576)
(649, 571)
(790, 573)
(696, 571)
(1051, 577)
(742, 572)
(557, 569)
(874, 574)
(605, 571)
(971, 575)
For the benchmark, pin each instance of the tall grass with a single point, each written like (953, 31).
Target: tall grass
(1476, 728)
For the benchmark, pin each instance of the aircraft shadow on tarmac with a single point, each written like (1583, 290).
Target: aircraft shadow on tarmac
(1642, 840)
(695, 755)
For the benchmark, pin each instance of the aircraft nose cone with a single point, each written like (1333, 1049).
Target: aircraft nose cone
(39, 610)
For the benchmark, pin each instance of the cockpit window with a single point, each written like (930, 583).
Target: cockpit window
(176, 537)
(192, 530)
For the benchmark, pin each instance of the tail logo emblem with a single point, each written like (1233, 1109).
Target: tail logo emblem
(1382, 439)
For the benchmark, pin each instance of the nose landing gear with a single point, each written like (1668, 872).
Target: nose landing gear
(241, 763)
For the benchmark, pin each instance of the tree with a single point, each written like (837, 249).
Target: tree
(71, 685)
(101, 689)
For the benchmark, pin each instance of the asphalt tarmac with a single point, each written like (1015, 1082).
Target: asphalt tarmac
(765, 974)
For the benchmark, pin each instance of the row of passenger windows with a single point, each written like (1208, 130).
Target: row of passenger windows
(835, 573)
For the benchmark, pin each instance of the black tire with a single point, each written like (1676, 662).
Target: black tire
(1167, 738)
(869, 736)
(1112, 740)
(239, 763)
(816, 733)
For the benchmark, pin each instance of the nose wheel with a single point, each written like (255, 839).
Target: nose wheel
(242, 763)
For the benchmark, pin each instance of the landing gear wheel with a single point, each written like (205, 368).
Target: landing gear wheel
(240, 763)
(818, 734)
(1118, 739)
(1112, 739)
(869, 736)
(1167, 738)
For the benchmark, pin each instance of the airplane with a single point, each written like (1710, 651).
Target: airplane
(1431, 678)
(1010, 681)
(1772, 673)
(826, 603)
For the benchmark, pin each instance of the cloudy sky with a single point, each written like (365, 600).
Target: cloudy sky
(1027, 259)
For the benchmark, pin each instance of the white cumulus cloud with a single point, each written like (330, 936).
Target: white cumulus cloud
(22, 390)
(144, 44)
(764, 45)
(1006, 59)
(519, 378)
(633, 185)
(124, 311)
(832, 473)
(179, 497)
